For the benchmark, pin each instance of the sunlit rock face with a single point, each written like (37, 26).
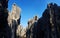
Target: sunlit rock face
(19, 29)
(14, 19)
(31, 21)
(31, 31)
(21, 32)
(48, 25)
(14, 14)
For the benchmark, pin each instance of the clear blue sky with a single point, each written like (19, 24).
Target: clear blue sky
(30, 8)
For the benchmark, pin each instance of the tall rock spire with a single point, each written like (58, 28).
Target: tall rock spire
(4, 28)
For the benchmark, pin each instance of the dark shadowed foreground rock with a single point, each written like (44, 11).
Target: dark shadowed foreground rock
(5, 30)
(48, 26)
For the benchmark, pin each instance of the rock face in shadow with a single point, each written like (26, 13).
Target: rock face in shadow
(5, 30)
(48, 26)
